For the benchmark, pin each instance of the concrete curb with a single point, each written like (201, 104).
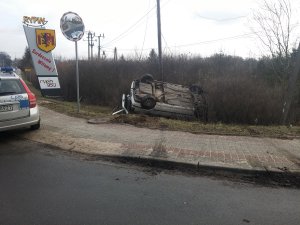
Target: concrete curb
(231, 154)
(167, 163)
(118, 150)
(258, 177)
(175, 164)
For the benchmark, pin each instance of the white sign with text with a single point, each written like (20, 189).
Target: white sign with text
(49, 82)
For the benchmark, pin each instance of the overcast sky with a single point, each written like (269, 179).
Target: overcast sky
(194, 27)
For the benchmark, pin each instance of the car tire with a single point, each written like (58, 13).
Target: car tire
(147, 78)
(128, 104)
(201, 113)
(196, 89)
(36, 126)
(148, 102)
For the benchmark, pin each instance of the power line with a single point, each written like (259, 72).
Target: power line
(167, 46)
(124, 33)
(221, 20)
(130, 28)
(145, 34)
(215, 40)
(247, 35)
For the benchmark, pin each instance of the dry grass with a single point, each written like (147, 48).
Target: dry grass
(197, 127)
(70, 108)
(209, 128)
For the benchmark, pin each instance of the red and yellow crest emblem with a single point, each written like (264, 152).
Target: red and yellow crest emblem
(45, 39)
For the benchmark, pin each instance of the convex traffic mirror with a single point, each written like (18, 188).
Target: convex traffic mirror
(72, 26)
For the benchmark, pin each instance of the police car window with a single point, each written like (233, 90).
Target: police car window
(11, 87)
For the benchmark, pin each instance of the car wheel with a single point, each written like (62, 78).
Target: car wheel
(128, 104)
(148, 102)
(196, 89)
(36, 126)
(201, 113)
(147, 78)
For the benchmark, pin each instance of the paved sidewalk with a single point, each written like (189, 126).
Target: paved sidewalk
(234, 152)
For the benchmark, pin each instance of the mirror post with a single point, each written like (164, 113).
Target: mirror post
(77, 78)
(72, 27)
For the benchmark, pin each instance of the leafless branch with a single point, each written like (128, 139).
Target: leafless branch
(274, 22)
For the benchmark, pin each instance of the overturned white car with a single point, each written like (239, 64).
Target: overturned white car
(165, 99)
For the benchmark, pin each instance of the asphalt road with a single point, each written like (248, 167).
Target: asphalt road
(41, 185)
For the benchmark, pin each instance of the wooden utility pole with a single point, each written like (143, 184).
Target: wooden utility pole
(92, 45)
(90, 41)
(99, 46)
(115, 54)
(159, 41)
(89, 53)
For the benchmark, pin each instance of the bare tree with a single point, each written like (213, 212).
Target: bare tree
(5, 59)
(273, 20)
(292, 91)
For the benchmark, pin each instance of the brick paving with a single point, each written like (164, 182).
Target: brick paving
(209, 150)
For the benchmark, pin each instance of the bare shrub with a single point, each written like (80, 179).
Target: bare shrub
(243, 100)
(100, 83)
(237, 91)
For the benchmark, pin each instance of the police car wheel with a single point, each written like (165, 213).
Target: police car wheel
(36, 126)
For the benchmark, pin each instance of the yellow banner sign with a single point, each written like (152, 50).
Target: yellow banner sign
(45, 39)
(34, 21)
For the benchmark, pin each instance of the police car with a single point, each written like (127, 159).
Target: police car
(18, 106)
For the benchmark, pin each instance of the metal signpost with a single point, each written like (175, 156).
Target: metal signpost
(72, 27)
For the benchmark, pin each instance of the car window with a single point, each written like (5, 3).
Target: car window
(8, 87)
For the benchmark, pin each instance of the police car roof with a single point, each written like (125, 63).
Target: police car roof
(8, 74)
